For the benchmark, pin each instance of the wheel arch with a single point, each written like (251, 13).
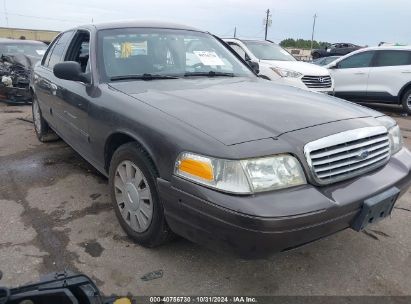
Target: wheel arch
(119, 138)
(403, 90)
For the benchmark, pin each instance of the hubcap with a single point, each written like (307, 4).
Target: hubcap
(133, 196)
(36, 116)
(409, 101)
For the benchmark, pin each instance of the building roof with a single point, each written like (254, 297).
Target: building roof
(20, 41)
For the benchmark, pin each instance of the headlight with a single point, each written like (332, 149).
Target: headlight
(394, 133)
(241, 176)
(286, 73)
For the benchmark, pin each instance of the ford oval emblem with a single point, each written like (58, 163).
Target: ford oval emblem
(363, 154)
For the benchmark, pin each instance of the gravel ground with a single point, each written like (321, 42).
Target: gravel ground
(56, 214)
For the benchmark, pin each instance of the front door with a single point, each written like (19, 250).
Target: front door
(351, 75)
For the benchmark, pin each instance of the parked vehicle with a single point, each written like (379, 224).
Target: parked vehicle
(17, 58)
(336, 49)
(194, 143)
(276, 64)
(325, 60)
(381, 74)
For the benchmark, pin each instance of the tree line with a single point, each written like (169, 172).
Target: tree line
(303, 44)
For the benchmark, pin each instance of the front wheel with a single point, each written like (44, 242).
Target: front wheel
(41, 127)
(316, 56)
(133, 189)
(406, 102)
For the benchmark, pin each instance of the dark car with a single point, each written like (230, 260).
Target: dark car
(336, 49)
(17, 58)
(194, 143)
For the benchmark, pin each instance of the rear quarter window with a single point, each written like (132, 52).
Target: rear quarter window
(393, 58)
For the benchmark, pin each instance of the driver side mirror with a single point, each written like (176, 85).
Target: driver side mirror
(254, 66)
(71, 70)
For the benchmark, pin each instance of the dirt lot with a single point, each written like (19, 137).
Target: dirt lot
(55, 214)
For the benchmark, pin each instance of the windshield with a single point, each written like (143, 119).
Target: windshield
(31, 49)
(165, 52)
(268, 51)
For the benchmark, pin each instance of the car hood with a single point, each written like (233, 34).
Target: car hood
(304, 68)
(236, 110)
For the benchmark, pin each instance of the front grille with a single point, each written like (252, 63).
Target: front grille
(317, 82)
(347, 154)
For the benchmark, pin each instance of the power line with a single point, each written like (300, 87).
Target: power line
(5, 13)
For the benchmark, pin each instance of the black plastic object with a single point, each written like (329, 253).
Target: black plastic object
(376, 208)
(63, 288)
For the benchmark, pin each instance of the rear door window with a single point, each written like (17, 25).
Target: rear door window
(58, 49)
(46, 58)
(361, 60)
(393, 58)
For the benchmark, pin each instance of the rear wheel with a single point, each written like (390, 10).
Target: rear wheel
(406, 101)
(41, 127)
(135, 198)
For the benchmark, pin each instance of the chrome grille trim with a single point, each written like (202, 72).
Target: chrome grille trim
(347, 154)
(317, 81)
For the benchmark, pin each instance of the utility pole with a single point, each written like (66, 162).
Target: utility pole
(235, 32)
(312, 35)
(267, 22)
(5, 13)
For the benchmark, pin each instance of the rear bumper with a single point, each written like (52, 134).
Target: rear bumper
(259, 225)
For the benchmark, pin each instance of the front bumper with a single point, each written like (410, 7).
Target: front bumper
(258, 225)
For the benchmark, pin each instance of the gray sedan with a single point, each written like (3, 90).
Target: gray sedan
(195, 144)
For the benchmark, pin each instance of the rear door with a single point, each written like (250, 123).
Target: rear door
(390, 72)
(46, 83)
(351, 75)
(342, 50)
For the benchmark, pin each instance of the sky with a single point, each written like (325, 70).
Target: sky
(364, 22)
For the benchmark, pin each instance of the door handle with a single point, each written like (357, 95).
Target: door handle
(359, 73)
(53, 89)
(406, 72)
(70, 115)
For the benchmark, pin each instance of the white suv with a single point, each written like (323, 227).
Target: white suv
(381, 74)
(278, 65)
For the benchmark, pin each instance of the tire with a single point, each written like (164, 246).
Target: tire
(133, 198)
(406, 101)
(316, 56)
(43, 131)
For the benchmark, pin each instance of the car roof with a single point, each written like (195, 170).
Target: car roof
(374, 48)
(20, 41)
(389, 48)
(250, 40)
(139, 24)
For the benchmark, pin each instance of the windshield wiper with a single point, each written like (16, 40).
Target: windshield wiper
(209, 74)
(143, 77)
